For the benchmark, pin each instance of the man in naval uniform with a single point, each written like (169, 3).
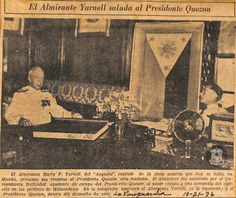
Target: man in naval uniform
(32, 105)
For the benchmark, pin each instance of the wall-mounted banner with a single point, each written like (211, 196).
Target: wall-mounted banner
(94, 25)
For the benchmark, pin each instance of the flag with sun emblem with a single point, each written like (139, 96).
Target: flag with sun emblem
(167, 48)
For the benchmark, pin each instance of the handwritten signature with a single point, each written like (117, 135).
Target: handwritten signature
(156, 193)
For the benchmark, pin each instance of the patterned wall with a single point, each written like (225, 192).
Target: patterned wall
(210, 45)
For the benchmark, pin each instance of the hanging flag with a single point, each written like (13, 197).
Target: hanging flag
(167, 48)
(94, 25)
(11, 24)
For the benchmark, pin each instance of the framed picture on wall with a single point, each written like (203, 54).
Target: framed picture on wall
(225, 69)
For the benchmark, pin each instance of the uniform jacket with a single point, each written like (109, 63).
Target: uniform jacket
(38, 106)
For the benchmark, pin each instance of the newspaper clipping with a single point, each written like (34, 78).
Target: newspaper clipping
(117, 99)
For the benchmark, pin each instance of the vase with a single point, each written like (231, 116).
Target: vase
(121, 119)
(120, 130)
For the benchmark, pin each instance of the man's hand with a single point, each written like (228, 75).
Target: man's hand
(76, 115)
(24, 122)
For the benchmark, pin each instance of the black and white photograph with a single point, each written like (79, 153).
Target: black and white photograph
(117, 94)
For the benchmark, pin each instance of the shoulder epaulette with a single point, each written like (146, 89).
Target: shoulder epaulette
(45, 90)
(22, 90)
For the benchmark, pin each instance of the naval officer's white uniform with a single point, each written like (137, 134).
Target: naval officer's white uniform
(38, 106)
